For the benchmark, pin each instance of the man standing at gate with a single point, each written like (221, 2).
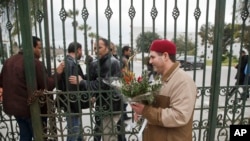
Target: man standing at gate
(170, 118)
(108, 101)
(74, 125)
(15, 95)
(240, 75)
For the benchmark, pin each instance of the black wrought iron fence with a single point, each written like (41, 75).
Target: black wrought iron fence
(213, 30)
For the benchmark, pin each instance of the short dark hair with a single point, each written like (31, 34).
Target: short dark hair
(125, 48)
(73, 46)
(35, 40)
(106, 42)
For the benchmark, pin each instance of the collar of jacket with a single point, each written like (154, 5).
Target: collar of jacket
(71, 58)
(170, 71)
(20, 52)
(104, 58)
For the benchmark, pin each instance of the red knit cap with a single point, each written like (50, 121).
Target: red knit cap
(163, 46)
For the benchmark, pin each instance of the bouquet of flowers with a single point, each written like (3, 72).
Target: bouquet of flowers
(139, 89)
(135, 89)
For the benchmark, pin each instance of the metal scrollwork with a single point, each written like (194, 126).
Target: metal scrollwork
(131, 12)
(39, 16)
(63, 14)
(85, 14)
(154, 12)
(9, 26)
(197, 13)
(108, 12)
(175, 13)
(244, 14)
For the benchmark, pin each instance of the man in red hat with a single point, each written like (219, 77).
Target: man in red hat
(170, 118)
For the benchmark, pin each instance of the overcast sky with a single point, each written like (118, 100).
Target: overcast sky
(126, 22)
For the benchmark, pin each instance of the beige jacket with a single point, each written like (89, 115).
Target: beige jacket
(171, 117)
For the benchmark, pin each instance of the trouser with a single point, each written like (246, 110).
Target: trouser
(106, 126)
(121, 129)
(125, 110)
(25, 127)
(74, 128)
(245, 94)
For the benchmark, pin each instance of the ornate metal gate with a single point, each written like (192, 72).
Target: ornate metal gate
(216, 31)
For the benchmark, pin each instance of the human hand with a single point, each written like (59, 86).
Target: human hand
(60, 68)
(137, 107)
(137, 117)
(92, 101)
(1, 94)
(73, 79)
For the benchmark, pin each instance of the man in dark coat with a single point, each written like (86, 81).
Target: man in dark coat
(15, 95)
(240, 75)
(108, 100)
(75, 105)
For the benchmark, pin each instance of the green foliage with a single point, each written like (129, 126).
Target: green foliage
(183, 47)
(207, 34)
(143, 41)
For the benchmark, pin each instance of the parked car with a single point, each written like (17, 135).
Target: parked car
(189, 63)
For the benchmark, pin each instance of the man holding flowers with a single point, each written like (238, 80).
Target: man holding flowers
(170, 117)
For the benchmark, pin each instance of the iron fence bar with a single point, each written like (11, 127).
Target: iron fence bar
(120, 29)
(47, 37)
(175, 15)
(205, 45)
(244, 16)
(216, 67)
(143, 21)
(53, 40)
(35, 5)
(17, 24)
(229, 92)
(204, 74)
(186, 30)
(9, 27)
(197, 14)
(231, 42)
(75, 37)
(131, 15)
(165, 20)
(1, 45)
(29, 68)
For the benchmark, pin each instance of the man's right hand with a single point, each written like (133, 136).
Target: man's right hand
(60, 68)
(1, 94)
(73, 79)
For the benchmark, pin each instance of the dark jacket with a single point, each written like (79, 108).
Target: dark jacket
(240, 76)
(72, 68)
(13, 81)
(108, 66)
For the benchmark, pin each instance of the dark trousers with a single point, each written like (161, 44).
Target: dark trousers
(124, 115)
(25, 126)
(121, 129)
(97, 129)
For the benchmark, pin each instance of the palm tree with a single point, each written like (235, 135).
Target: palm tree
(71, 14)
(92, 35)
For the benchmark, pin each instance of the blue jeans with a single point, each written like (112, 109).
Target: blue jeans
(74, 128)
(25, 127)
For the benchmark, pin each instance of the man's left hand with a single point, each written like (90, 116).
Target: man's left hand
(137, 107)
